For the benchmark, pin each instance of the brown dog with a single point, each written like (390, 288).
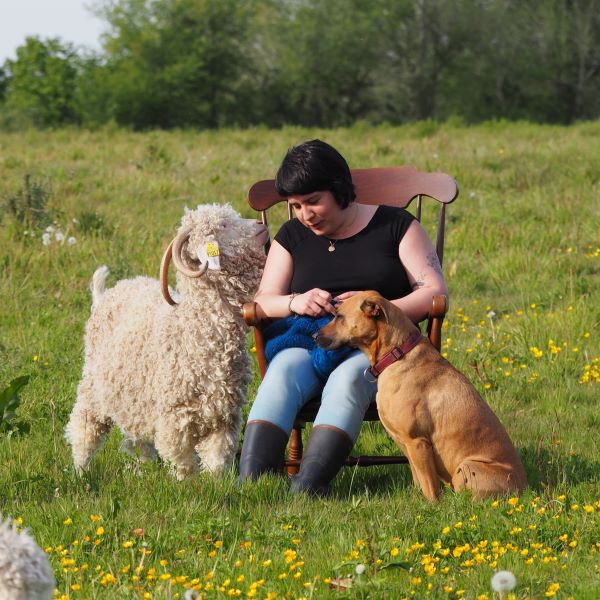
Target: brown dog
(430, 409)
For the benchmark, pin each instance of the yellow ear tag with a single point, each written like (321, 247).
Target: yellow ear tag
(209, 252)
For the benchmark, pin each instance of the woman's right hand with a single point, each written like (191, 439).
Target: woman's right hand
(314, 303)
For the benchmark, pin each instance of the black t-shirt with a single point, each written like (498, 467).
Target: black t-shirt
(366, 261)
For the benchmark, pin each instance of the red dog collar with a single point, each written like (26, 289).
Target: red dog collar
(395, 354)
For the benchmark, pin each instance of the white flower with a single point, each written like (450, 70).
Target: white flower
(503, 581)
(191, 594)
(71, 241)
(46, 239)
(491, 314)
(59, 236)
(360, 569)
(50, 229)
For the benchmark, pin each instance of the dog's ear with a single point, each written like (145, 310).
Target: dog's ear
(373, 310)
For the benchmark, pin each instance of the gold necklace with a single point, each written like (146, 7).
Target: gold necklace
(332, 243)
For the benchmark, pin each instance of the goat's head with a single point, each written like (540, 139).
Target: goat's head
(215, 241)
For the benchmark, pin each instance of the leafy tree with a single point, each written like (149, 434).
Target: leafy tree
(42, 81)
(173, 63)
(3, 83)
(327, 53)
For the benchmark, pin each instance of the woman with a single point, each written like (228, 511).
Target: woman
(332, 250)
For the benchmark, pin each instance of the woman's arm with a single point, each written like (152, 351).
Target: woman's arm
(420, 260)
(273, 296)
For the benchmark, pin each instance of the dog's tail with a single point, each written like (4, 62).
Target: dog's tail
(98, 284)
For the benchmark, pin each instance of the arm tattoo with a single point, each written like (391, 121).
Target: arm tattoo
(433, 262)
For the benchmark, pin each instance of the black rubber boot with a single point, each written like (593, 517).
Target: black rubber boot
(327, 449)
(262, 450)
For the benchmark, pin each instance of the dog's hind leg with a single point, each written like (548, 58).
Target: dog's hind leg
(86, 429)
(486, 479)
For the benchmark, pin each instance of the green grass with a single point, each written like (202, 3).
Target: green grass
(523, 267)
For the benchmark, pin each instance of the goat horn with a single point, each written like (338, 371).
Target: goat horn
(176, 253)
(164, 275)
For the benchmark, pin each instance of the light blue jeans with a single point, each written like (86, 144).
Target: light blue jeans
(291, 381)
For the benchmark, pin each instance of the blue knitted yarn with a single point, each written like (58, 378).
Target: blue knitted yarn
(297, 332)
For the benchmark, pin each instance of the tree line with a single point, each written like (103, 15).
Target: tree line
(212, 63)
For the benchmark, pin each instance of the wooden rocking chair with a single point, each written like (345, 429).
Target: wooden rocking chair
(392, 186)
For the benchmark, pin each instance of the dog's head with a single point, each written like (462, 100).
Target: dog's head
(356, 322)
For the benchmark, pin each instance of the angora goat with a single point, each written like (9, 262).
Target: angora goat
(173, 377)
(25, 573)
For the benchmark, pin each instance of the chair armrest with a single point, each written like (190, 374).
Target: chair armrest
(249, 314)
(254, 317)
(439, 308)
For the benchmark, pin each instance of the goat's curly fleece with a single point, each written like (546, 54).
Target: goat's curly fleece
(172, 377)
(25, 573)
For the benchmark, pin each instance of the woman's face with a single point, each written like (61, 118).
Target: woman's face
(318, 211)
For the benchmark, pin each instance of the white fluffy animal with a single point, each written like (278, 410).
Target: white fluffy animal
(172, 376)
(25, 573)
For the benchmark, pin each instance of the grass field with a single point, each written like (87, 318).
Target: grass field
(523, 267)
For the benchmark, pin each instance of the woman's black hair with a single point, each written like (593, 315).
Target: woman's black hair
(315, 166)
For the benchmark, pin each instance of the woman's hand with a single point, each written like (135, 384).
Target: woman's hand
(314, 303)
(341, 297)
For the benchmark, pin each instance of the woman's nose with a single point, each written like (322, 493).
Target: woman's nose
(307, 213)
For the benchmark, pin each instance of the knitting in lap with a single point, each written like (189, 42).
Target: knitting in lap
(297, 332)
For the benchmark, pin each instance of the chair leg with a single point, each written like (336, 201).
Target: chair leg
(295, 449)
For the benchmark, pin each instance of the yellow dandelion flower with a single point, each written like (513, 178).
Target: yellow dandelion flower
(127, 544)
(95, 518)
(394, 551)
(68, 521)
(100, 531)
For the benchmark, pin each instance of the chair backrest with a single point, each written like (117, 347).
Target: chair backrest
(392, 186)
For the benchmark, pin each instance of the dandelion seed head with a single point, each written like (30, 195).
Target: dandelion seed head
(46, 239)
(360, 569)
(503, 581)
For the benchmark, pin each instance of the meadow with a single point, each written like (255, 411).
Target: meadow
(522, 262)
